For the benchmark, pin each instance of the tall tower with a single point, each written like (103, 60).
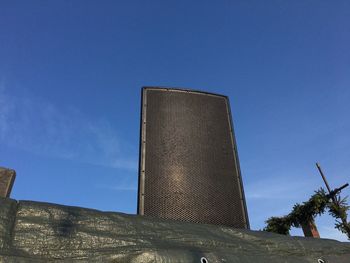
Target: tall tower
(189, 168)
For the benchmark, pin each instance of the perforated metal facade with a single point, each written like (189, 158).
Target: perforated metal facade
(189, 168)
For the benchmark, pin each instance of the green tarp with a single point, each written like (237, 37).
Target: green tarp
(42, 232)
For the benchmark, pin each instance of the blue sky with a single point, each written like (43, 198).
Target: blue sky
(70, 79)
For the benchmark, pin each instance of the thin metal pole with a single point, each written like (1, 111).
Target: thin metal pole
(323, 177)
(333, 196)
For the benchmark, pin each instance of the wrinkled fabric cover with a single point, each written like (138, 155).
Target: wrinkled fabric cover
(42, 232)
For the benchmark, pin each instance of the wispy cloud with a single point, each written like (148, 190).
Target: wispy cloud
(39, 126)
(275, 196)
(123, 187)
(332, 233)
(278, 188)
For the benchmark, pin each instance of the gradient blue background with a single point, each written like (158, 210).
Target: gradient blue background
(70, 79)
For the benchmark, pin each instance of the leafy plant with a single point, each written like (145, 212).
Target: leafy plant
(306, 212)
(338, 210)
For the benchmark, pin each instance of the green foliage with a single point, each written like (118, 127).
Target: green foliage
(280, 225)
(338, 210)
(302, 214)
(307, 211)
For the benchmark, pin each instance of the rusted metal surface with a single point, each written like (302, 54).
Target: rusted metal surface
(7, 178)
(310, 230)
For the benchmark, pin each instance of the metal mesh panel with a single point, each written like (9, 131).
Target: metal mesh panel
(189, 170)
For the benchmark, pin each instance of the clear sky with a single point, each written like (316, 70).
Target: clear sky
(70, 79)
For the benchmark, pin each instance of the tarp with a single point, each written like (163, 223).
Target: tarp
(41, 232)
